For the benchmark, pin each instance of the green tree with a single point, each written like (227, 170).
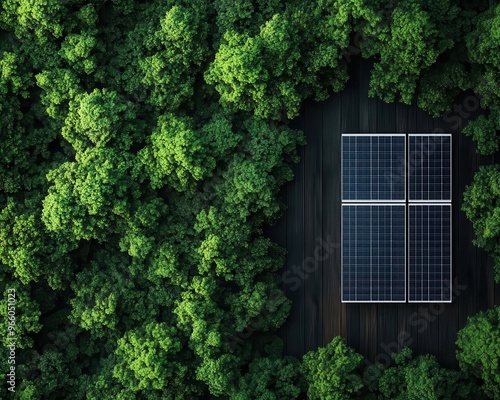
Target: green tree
(259, 73)
(423, 378)
(159, 61)
(482, 46)
(180, 153)
(270, 72)
(93, 196)
(406, 41)
(26, 136)
(151, 358)
(271, 377)
(28, 250)
(479, 350)
(26, 314)
(483, 131)
(481, 207)
(243, 16)
(332, 372)
(99, 119)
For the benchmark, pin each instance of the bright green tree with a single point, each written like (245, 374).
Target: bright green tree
(272, 71)
(332, 372)
(151, 358)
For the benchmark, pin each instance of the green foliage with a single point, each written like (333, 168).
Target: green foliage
(147, 358)
(259, 73)
(482, 46)
(58, 366)
(144, 145)
(481, 205)
(88, 197)
(25, 139)
(331, 371)
(406, 44)
(440, 85)
(27, 18)
(59, 86)
(422, 378)
(479, 350)
(98, 119)
(26, 315)
(265, 72)
(244, 16)
(483, 131)
(159, 61)
(180, 154)
(271, 378)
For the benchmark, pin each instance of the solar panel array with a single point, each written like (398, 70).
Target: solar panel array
(430, 252)
(373, 167)
(429, 161)
(373, 250)
(375, 209)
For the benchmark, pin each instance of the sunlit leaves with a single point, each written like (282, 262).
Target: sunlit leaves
(181, 153)
(85, 199)
(148, 357)
(330, 371)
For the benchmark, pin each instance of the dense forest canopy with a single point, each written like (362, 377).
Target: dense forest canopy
(143, 147)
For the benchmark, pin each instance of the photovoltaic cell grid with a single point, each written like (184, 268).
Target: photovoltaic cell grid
(429, 167)
(373, 167)
(429, 252)
(373, 253)
(374, 236)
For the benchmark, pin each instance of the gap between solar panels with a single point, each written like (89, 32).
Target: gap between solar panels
(396, 218)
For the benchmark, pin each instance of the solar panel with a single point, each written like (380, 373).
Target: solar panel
(429, 167)
(373, 253)
(374, 212)
(373, 167)
(429, 253)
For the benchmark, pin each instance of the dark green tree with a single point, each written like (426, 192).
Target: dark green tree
(479, 350)
(406, 40)
(482, 46)
(481, 205)
(423, 378)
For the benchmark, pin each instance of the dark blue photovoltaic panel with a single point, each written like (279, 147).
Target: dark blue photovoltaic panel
(373, 167)
(430, 253)
(373, 253)
(429, 169)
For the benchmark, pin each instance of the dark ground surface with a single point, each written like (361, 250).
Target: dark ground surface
(310, 231)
